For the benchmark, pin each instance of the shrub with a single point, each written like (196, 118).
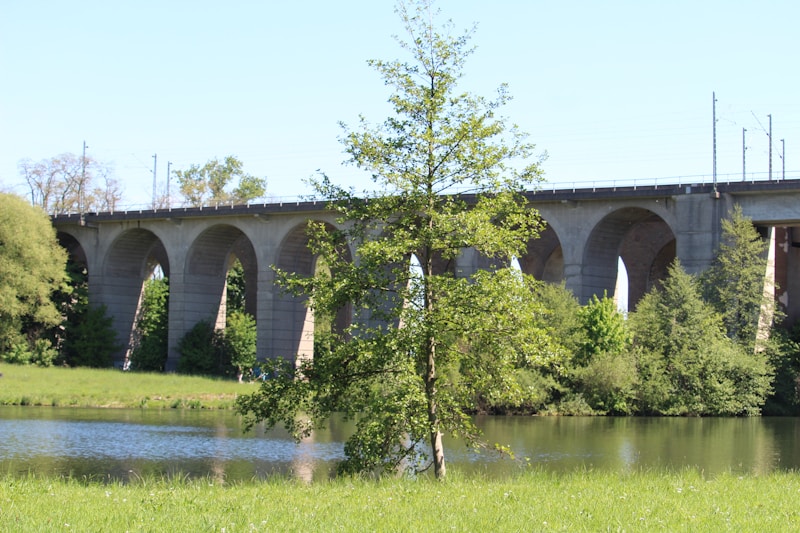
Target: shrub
(783, 351)
(40, 352)
(608, 382)
(92, 340)
(202, 351)
(240, 341)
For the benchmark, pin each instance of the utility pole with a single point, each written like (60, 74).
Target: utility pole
(81, 184)
(769, 136)
(770, 147)
(783, 160)
(155, 163)
(169, 199)
(744, 150)
(714, 118)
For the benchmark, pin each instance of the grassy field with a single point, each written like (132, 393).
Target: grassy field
(581, 501)
(85, 387)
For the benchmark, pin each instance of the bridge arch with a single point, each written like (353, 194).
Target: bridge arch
(208, 260)
(130, 259)
(75, 250)
(544, 258)
(293, 325)
(641, 238)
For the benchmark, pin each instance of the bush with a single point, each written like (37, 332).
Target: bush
(91, 341)
(605, 328)
(572, 405)
(40, 353)
(240, 341)
(783, 352)
(202, 351)
(608, 382)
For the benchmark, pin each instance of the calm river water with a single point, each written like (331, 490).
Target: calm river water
(126, 444)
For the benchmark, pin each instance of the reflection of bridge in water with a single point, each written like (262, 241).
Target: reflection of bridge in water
(588, 232)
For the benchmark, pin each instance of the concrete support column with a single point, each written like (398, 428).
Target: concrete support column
(793, 276)
(265, 302)
(177, 322)
(121, 295)
(192, 298)
(696, 231)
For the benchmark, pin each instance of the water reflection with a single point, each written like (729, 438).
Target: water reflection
(124, 444)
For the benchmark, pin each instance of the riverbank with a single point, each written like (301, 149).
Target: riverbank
(534, 501)
(88, 387)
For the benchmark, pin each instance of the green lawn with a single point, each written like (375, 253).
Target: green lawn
(84, 387)
(536, 501)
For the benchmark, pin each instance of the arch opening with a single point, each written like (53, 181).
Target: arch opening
(635, 237)
(220, 278)
(295, 329)
(136, 262)
(544, 259)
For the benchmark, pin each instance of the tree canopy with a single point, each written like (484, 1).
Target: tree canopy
(212, 183)
(424, 340)
(32, 267)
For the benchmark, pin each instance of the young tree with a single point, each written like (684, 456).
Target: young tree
(422, 339)
(235, 289)
(92, 340)
(240, 341)
(734, 284)
(32, 268)
(606, 371)
(210, 183)
(604, 326)
(152, 327)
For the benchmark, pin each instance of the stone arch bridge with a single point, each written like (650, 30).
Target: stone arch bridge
(588, 231)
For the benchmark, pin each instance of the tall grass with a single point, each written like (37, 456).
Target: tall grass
(85, 387)
(536, 501)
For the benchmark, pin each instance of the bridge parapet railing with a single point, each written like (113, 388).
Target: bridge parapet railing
(671, 181)
(546, 187)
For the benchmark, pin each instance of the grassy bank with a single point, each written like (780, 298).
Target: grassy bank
(582, 501)
(85, 387)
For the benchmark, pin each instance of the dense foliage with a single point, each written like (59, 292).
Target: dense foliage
(734, 284)
(90, 339)
(152, 326)
(201, 351)
(32, 269)
(687, 365)
(240, 341)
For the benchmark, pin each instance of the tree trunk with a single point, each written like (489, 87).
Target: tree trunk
(433, 415)
(439, 467)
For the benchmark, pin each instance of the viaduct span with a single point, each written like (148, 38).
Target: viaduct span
(588, 231)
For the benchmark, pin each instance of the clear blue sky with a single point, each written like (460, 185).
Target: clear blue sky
(613, 90)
